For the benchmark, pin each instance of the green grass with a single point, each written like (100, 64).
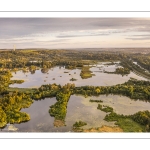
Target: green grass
(86, 73)
(128, 125)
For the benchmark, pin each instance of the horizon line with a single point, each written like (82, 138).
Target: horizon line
(73, 48)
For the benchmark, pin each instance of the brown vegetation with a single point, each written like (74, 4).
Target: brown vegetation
(104, 129)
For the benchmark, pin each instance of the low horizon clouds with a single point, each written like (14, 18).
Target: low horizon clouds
(74, 32)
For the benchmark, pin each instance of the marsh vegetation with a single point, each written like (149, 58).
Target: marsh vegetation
(76, 73)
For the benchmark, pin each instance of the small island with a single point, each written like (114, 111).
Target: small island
(97, 101)
(86, 73)
(73, 79)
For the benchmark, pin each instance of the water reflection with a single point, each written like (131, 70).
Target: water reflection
(120, 104)
(79, 108)
(60, 75)
(40, 118)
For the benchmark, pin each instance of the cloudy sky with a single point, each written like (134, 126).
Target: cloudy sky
(74, 32)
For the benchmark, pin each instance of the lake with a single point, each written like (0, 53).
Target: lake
(79, 107)
(60, 75)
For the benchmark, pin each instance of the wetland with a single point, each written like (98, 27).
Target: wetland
(77, 93)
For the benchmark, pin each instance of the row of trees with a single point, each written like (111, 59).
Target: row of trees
(59, 109)
(133, 88)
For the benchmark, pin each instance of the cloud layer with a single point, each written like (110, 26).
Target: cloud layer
(67, 32)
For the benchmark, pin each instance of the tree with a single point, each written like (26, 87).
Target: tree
(97, 90)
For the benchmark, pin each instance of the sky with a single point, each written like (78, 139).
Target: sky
(61, 33)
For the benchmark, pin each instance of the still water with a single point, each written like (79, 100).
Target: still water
(60, 75)
(78, 108)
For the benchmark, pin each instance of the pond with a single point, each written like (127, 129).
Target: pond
(78, 108)
(60, 75)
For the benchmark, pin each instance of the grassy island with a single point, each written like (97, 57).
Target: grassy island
(73, 79)
(79, 124)
(105, 108)
(85, 72)
(97, 101)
